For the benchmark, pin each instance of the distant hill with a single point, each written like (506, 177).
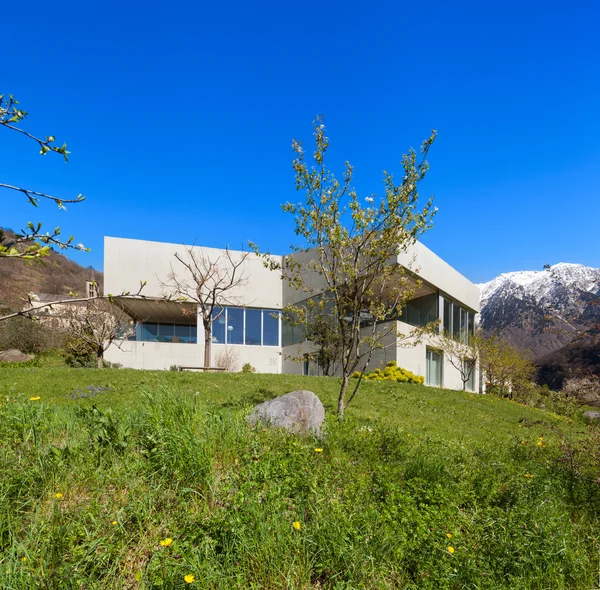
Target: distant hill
(56, 275)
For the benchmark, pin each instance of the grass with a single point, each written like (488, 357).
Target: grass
(417, 488)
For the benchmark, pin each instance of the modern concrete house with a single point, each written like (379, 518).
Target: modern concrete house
(167, 333)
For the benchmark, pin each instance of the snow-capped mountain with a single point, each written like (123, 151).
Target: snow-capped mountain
(540, 310)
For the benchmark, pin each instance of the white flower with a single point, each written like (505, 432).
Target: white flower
(369, 199)
(81, 247)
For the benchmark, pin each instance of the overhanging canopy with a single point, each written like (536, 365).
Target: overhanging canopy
(143, 309)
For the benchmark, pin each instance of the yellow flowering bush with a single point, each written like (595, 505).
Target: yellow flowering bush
(392, 372)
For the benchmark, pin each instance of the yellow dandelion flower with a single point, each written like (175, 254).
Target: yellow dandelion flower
(166, 542)
(297, 525)
(319, 450)
(449, 535)
(24, 559)
(450, 549)
(528, 475)
(113, 522)
(541, 443)
(189, 578)
(34, 399)
(58, 495)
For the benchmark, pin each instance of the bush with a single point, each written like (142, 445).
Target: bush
(392, 372)
(26, 335)
(248, 368)
(79, 353)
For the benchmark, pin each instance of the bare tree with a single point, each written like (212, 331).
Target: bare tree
(462, 353)
(210, 284)
(96, 322)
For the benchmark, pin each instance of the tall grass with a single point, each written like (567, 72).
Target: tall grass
(87, 494)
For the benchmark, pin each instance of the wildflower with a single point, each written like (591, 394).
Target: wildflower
(189, 578)
(35, 399)
(113, 522)
(319, 450)
(450, 550)
(541, 443)
(297, 525)
(528, 475)
(166, 542)
(449, 535)
(24, 559)
(58, 495)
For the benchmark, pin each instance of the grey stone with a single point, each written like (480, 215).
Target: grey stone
(298, 411)
(592, 415)
(14, 356)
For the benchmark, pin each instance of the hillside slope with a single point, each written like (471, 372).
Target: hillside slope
(56, 274)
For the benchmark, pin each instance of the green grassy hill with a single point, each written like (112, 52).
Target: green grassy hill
(417, 488)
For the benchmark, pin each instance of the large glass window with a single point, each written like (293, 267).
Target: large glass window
(235, 325)
(218, 325)
(271, 327)
(421, 311)
(433, 375)
(469, 371)
(447, 316)
(253, 326)
(163, 332)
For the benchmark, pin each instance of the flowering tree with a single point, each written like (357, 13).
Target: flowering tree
(32, 243)
(346, 263)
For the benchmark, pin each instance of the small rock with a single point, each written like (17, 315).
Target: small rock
(592, 415)
(298, 411)
(14, 356)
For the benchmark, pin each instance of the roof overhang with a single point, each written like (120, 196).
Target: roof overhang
(146, 309)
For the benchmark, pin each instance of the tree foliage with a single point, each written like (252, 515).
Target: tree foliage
(32, 242)
(346, 261)
(504, 366)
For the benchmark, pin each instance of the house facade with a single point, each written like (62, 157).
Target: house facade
(248, 328)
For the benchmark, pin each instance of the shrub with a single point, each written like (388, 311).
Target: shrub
(79, 353)
(26, 335)
(391, 372)
(248, 368)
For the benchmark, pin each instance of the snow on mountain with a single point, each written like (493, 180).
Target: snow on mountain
(540, 310)
(545, 286)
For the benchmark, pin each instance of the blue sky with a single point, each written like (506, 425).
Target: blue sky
(180, 118)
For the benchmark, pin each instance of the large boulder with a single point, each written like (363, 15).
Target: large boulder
(14, 356)
(298, 411)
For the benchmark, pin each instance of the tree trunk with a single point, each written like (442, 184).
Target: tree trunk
(99, 354)
(207, 343)
(342, 397)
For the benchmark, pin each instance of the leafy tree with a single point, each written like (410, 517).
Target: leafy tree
(32, 243)
(346, 261)
(504, 365)
(209, 282)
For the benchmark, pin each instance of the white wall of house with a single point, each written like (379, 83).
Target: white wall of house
(127, 262)
(431, 268)
(154, 355)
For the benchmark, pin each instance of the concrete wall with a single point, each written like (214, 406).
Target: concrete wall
(265, 359)
(127, 262)
(431, 268)
(154, 355)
